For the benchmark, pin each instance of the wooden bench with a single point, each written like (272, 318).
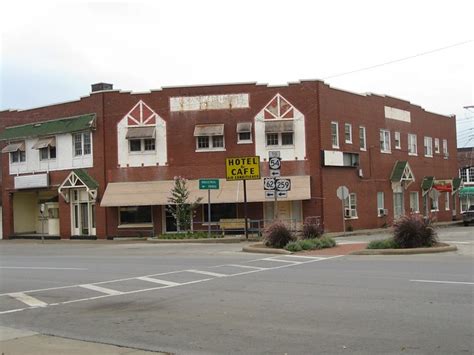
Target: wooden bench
(232, 224)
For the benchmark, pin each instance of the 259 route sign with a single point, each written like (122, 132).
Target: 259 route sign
(282, 184)
(242, 168)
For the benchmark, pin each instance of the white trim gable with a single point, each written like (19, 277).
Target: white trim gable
(73, 182)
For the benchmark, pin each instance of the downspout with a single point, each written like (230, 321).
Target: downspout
(105, 160)
(319, 151)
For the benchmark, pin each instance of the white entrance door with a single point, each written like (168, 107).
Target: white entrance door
(398, 204)
(82, 213)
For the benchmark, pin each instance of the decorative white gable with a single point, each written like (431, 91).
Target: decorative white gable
(280, 115)
(141, 115)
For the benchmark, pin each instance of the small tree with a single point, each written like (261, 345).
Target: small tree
(182, 210)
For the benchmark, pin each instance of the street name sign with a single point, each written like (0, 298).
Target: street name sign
(208, 184)
(242, 168)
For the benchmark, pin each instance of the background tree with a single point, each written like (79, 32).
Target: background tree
(180, 208)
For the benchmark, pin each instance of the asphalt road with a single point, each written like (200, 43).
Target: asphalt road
(214, 299)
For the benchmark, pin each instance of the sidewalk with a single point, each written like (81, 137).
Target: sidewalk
(16, 341)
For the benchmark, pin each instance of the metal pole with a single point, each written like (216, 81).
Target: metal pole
(208, 213)
(275, 207)
(343, 216)
(245, 210)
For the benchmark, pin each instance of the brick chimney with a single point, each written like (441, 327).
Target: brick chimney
(102, 87)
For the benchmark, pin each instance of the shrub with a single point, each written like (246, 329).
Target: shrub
(277, 235)
(312, 228)
(307, 244)
(294, 246)
(311, 244)
(383, 244)
(414, 232)
(327, 242)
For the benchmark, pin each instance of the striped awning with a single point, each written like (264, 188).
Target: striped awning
(466, 191)
(13, 147)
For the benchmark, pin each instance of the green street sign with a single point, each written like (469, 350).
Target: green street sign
(208, 184)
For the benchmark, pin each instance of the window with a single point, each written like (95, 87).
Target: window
(414, 202)
(412, 144)
(445, 148)
(398, 144)
(385, 141)
(350, 206)
(434, 200)
(348, 133)
(209, 142)
(244, 137)
(47, 153)
(244, 132)
(135, 215)
(471, 175)
(82, 143)
(287, 138)
(446, 201)
(218, 211)
(463, 174)
(274, 139)
(380, 203)
(202, 142)
(335, 134)
(218, 141)
(428, 147)
(18, 156)
(209, 137)
(436, 146)
(142, 145)
(362, 139)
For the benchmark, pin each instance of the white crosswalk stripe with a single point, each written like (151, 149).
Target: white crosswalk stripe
(158, 281)
(107, 291)
(28, 300)
(208, 273)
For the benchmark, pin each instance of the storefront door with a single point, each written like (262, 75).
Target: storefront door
(82, 210)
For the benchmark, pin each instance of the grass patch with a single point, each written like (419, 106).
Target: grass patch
(383, 244)
(189, 235)
(311, 244)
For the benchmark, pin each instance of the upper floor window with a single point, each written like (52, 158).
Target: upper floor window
(467, 174)
(82, 143)
(412, 144)
(385, 141)
(140, 139)
(362, 138)
(16, 151)
(244, 132)
(335, 134)
(46, 147)
(428, 147)
(436, 145)
(445, 148)
(398, 143)
(209, 137)
(279, 133)
(348, 133)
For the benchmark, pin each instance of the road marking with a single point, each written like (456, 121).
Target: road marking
(248, 266)
(107, 291)
(158, 281)
(444, 282)
(462, 242)
(282, 261)
(208, 273)
(28, 300)
(312, 257)
(41, 268)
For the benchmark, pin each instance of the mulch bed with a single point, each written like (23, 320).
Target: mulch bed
(343, 249)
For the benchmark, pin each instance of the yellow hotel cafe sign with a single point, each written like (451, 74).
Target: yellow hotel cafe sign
(242, 168)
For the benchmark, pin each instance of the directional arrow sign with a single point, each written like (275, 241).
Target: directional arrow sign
(283, 184)
(274, 173)
(270, 194)
(269, 184)
(282, 194)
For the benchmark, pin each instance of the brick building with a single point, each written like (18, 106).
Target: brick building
(466, 173)
(104, 165)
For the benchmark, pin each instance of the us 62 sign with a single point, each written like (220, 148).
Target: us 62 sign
(269, 184)
(282, 184)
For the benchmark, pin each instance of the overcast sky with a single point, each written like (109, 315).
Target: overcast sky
(51, 51)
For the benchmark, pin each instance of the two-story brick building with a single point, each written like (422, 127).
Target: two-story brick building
(104, 165)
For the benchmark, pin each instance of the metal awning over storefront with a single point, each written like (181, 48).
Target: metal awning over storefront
(467, 191)
(148, 193)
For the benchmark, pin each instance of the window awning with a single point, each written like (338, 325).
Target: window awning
(244, 127)
(456, 184)
(402, 173)
(13, 147)
(466, 191)
(158, 192)
(45, 142)
(279, 127)
(76, 179)
(141, 132)
(427, 184)
(209, 130)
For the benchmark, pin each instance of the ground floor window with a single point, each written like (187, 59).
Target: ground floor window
(350, 206)
(466, 201)
(219, 211)
(398, 204)
(446, 201)
(380, 204)
(434, 206)
(135, 215)
(414, 202)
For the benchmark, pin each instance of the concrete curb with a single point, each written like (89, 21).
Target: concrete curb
(412, 251)
(224, 240)
(255, 249)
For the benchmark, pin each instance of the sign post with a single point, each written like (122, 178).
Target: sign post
(243, 168)
(342, 192)
(208, 184)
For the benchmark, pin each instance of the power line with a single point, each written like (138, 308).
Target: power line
(399, 60)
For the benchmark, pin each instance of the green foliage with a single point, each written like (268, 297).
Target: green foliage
(188, 235)
(179, 206)
(383, 244)
(312, 228)
(311, 244)
(277, 235)
(414, 231)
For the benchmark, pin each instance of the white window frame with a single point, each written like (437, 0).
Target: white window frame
(19, 155)
(385, 146)
(380, 202)
(397, 140)
(436, 146)
(428, 147)
(142, 146)
(412, 143)
(417, 209)
(280, 139)
(211, 147)
(445, 148)
(446, 201)
(362, 138)
(350, 203)
(348, 140)
(82, 136)
(336, 135)
(244, 141)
